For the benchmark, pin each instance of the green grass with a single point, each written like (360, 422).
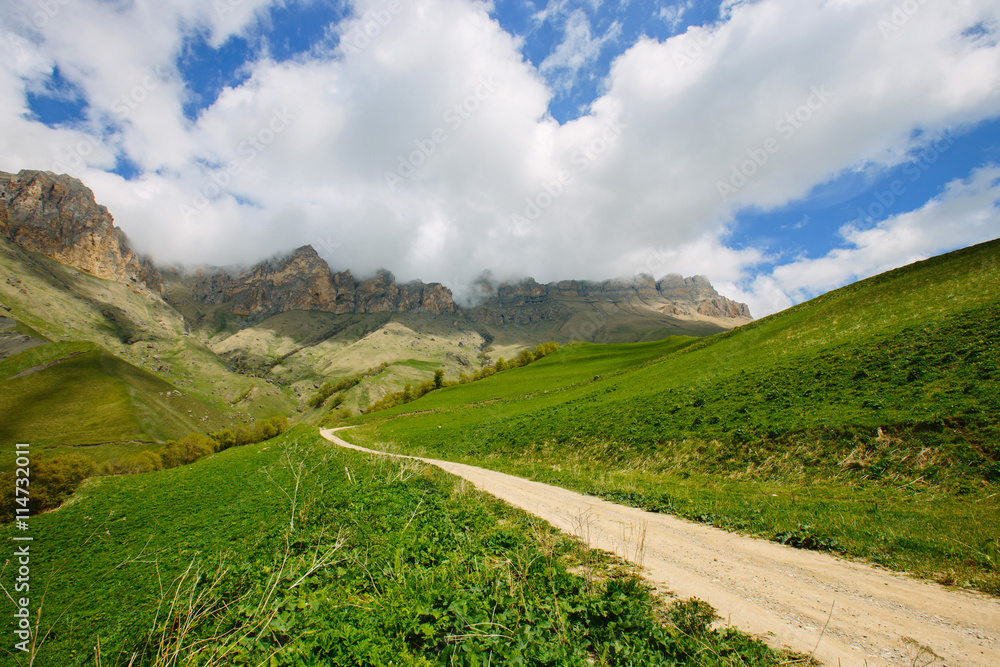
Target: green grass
(38, 356)
(58, 303)
(889, 388)
(89, 397)
(418, 365)
(376, 562)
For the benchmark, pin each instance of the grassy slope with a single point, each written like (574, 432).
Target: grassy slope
(89, 396)
(865, 420)
(59, 303)
(379, 562)
(302, 349)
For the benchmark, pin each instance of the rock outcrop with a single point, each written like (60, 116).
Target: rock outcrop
(58, 217)
(303, 281)
(527, 302)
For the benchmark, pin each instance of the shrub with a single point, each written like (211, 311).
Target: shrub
(52, 481)
(187, 450)
(692, 617)
(224, 439)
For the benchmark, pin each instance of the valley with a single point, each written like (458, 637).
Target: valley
(188, 511)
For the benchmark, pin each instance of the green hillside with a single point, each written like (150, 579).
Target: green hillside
(879, 400)
(71, 394)
(296, 552)
(55, 302)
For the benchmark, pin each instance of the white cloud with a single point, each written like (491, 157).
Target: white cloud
(967, 212)
(578, 50)
(673, 15)
(441, 84)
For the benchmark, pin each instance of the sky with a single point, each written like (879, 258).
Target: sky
(782, 148)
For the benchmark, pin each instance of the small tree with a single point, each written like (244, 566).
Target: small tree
(438, 378)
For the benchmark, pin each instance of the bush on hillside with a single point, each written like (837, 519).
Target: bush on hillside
(187, 450)
(411, 393)
(55, 480)
(52, 482)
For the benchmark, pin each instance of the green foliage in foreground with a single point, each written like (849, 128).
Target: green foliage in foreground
(889, 388)
(294, 552)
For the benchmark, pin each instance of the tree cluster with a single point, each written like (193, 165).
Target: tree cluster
(411, 393)
(54, 480)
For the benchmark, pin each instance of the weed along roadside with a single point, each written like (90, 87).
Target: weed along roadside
(812, 603)
(293, 552)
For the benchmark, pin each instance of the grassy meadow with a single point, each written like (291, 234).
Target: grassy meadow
(296, 552)
(60, 396)
(863, 422)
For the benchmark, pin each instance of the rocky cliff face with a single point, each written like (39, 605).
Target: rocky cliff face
(303, 281)
(526, 302)
(58, 217)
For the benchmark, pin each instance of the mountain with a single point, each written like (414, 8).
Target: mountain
(261, 340)
(57, 216)
(527, 301)
(303, 281)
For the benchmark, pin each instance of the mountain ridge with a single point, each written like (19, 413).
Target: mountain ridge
(59, 217)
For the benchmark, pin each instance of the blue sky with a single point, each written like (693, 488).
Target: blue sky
(780, 147)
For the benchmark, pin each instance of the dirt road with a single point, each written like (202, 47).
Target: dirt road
(786, 596)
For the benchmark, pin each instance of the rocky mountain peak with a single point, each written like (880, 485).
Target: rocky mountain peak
(57, 216)
(527, 302)
(302, 280)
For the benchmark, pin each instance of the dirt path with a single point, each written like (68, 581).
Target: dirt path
(42, 367)
(781, 594)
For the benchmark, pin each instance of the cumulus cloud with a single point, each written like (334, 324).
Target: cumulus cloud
(420, 139)
(673, 15)
(967, 212)
(579, 49)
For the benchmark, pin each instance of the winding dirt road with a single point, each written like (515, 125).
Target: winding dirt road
(848, 613)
